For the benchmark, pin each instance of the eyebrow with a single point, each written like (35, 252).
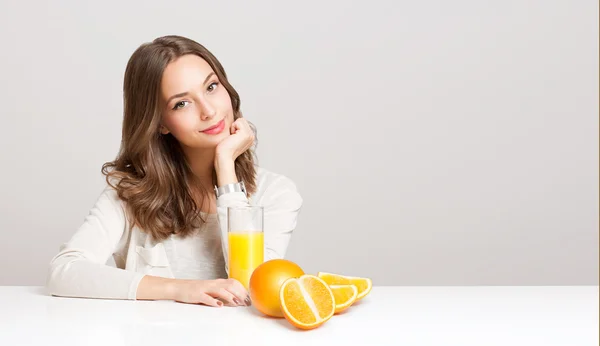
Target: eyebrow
(185, 93)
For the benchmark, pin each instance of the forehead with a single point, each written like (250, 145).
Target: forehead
(183, 74)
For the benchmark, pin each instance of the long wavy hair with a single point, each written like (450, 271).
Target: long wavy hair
(151, 173)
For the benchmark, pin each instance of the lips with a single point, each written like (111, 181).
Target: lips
(216, 129)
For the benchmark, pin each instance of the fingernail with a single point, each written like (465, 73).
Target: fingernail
(248, 301)
(219, 303)
(237, 301)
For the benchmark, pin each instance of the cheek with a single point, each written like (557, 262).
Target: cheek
(180, 124)
(224, 101)
(226, 110)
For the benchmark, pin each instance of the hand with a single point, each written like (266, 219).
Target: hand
(240, 140)
(212, 292)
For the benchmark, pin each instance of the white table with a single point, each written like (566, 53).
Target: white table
(462, 316)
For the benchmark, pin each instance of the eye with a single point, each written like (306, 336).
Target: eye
(212, 86)
(180, 104)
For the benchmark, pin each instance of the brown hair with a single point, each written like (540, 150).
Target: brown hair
(151, 173)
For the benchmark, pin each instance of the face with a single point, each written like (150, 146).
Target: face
(198, 111)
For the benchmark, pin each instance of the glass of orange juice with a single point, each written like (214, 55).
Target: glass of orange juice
(246, 241)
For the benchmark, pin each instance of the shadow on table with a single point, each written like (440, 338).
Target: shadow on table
(281, 321)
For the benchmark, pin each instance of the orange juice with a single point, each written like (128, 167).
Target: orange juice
(246, 252)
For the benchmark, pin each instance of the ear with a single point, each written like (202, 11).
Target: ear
(164, 130)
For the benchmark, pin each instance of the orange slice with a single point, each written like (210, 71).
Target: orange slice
(363, 285)
(306, 302)
(344, 296)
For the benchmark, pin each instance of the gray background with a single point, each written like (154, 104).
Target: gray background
(433, 142)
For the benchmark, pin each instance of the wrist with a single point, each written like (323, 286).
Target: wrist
(171, 289)
(225, 169)
(223, 158)
(157, 288)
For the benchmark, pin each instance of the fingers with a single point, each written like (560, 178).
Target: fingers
(242, 126)
(206, 299)
(228, 298)
(239, 291)
(240, 140)
(231, 291)
(215, 293)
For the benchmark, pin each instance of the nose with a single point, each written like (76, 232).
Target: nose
(207, 111)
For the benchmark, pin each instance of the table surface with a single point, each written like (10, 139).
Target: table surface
(481, 315)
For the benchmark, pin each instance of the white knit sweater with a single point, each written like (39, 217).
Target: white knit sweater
(80, 269)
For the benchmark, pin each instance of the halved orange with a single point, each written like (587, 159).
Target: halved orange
(363, 285)
(306, 302)
(344, 296)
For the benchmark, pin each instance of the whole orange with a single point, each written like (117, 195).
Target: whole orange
(265, 282)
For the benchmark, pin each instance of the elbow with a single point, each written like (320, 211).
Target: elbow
(55, 278)
(58, 277)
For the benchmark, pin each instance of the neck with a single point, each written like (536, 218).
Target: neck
(202, 164)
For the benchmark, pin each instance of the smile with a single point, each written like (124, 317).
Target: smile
(216, 129)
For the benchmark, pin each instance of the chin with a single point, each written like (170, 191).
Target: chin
(210, 142)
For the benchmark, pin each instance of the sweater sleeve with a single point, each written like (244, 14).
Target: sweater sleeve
(80, 269)
(282, 204)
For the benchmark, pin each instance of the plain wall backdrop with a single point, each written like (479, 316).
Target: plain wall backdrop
(433, 142)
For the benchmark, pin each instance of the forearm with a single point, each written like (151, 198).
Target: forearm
(157, 288)
(72, 276)
(225, 169)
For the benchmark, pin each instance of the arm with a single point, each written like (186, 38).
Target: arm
(282, 204)
(280, 200)
(80, 270)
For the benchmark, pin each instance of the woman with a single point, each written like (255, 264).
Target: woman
(186, 155)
